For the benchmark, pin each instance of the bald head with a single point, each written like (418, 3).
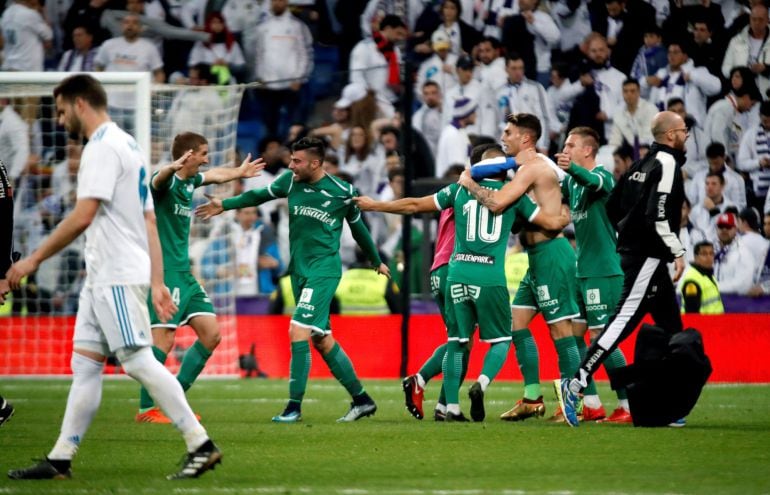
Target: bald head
(669, 128)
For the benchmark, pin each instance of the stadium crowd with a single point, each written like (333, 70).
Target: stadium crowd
(606, 64)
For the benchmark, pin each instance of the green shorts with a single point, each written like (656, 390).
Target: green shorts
(189, 296)
(597, 298)
(550, 285)
(314, 297)
(438, 287)
(485, 306)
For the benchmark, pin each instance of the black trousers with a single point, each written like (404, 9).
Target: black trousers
(647, 288)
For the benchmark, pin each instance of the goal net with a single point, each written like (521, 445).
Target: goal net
(37, 323)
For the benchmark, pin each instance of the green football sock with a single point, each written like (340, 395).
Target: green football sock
(342, 369)
(495, 359)
(299, 370)
(466, 358)
(582, 350)
(192, 364)
(432, 366)
(616, 360)
(453, 371)
(529, 362)
(145, 401)
(568, 355)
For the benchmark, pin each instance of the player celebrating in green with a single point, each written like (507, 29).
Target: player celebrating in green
(318, 204)
(599, 275)
(172, 191)
(477, 292)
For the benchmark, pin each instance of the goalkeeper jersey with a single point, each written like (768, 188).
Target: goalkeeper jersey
(173, 210)
(316, 214)
(481, 237)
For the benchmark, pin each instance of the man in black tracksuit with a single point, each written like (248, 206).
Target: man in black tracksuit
(6, 256)
(646, 208)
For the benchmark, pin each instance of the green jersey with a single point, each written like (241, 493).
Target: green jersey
(316, 213)
(596, 239)
(173, 212)
(481, 237)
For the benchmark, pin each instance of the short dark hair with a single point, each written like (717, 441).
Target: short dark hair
(490, 39)
(395, 172)
(82, 86)
(673, 101)
(624, 151)
(390, 129)
(528, 122)
(311, 145)
(700, 245)
(715, 149)
(430, 82)
(631, 80)
(718, 175)
(480, 149)
(512, 55)
(186, 141)
(458, 4)
(392, 21)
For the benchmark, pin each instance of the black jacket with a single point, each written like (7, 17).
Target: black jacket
(646, 205)
(6, 222)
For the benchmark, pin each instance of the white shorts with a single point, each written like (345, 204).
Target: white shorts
(112, 317)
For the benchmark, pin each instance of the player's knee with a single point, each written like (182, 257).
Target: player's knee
(323, 344)
(135, 360)
(84, 365)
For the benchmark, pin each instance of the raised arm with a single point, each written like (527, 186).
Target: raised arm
(498, 200)
(404, 206)
(162, 178)
(249, 168)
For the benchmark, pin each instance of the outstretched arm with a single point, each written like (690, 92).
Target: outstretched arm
(249, 168)
(498, 200)
(404, 206)
(161, 179)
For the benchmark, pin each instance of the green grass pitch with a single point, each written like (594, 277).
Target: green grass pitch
(723, 448)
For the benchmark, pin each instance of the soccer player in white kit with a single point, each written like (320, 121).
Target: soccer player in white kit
(123, 258)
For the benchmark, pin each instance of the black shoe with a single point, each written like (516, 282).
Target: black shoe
(459, 418)
(477, 402)
(43, 470)
(438, 415)
(6, 411)
(196, 463)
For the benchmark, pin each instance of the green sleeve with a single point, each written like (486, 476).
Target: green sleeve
(598, 180)
(279, 188)
(198, 180)
(565, 189)
(364, 240)
(526, 208)
(445, 197)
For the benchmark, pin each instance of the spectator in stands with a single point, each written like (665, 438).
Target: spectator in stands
(221, 52)
(256, 254)
(336, 133)
(698, 287)
(749, 48)
(25, 36)
(427, 120)
(729, 118)
(86, 12)
(574, 23)
(242, 18)
(362, 291)
(681, 79)
(439, 68)
(14, 142)
(696, 141)
(761, 285)
(754, 155)
(491, 16)
(490, 73)
(706, 51)
(523, 95)
(562, 93)
(421, 157)
(623, 158)
(463, 36)
(284, 62)
(603, 89)
(734, 264)
(532, 33)
(467, 87)
(623, 24)
(454, 145)
(705, 213)
(631, 123)
(749, 228)
(375, 62)
(735, 187)
(652, 57)
(80, 58)
(689, 233)
(363, 160)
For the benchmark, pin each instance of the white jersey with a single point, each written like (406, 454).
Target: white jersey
(114, 171)
(119, 55)
(24, 32)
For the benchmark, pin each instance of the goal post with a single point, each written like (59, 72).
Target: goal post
(35, 325)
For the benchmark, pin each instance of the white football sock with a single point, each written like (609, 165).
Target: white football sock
(484, 382)
(441, 408)
(453, 408)
(166, 391)
(592, 401)
(420, 380)
(624, 404)
(82, 403)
